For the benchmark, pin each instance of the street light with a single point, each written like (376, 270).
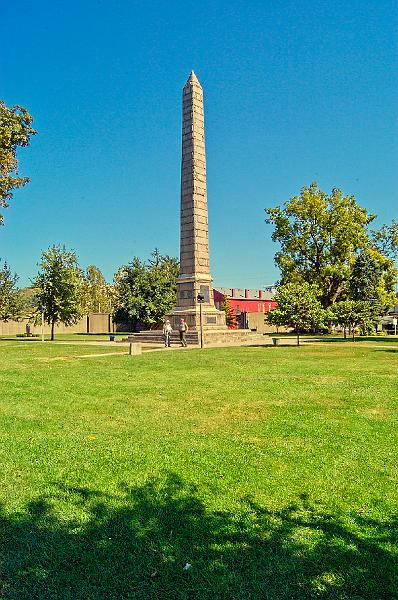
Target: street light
(201, 299)
(238, 314)
(42, 322)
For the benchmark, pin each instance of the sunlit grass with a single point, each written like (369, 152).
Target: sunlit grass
(272, 471)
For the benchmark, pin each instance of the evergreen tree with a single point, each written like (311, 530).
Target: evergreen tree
(230, 318)
(364, 283)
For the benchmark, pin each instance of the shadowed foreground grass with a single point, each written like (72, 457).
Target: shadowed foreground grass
(272, 471)
(140, 548)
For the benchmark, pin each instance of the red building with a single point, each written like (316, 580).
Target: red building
(245, 302)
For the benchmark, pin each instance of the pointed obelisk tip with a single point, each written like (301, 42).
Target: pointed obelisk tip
(192, 78)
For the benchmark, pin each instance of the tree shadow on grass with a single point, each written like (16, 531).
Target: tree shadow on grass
(393, 350)
(134, 545)
(360, 338)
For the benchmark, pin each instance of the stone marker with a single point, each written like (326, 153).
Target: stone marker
(135, 348)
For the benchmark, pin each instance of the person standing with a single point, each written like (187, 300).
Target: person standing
(183, 328)
(167, 331)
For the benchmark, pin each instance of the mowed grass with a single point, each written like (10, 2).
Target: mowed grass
(271, 471)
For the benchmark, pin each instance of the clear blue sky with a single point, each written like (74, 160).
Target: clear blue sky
(295, 91)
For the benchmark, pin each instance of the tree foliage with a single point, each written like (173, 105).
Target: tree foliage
(355, 313)
(373, 278)
(365, 277)
(97, 295)
(298, 306)
(12, 303)
(319, 235)
(146, 291)
(230, 318)
(15, 130)
(59, 286)
(385, 239)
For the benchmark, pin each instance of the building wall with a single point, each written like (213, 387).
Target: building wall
(250, 304)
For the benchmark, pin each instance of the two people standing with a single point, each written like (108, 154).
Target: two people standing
(167, 331)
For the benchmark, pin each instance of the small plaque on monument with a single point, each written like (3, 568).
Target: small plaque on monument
(205, 292)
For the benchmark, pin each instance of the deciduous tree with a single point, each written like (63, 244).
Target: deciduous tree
(385, 239)
(59, 286)
(298, 306)
(97, 294)
(319, 235)
(15, 130)
(355, 313)
(12, 303)
(145, 291)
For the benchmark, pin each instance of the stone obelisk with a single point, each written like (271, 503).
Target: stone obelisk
(195, 278)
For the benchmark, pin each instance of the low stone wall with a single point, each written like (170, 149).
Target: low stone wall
(229, 336)
(92, 323)
(256, 322)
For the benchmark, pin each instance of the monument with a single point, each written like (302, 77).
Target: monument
(194, 285)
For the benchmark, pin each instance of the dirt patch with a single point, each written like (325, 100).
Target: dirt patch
(376, 412)
(48, 359)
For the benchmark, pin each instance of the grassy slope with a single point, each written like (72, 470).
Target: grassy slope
(272, 470)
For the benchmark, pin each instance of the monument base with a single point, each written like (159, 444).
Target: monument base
(211, 318)
(231, 337)
(211, 337)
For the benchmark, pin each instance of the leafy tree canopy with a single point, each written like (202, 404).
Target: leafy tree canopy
(298, 307)
(320, 237)
(373, 278)
(59, 287)
(356, 313)
(230, 318)
(12, 303)
(96, 293)
(146, 291)
(15, 130)
(385, 240)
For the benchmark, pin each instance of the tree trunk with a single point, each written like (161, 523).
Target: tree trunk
(353, 334)
(52, 330)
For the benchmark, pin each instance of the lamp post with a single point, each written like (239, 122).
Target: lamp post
(42, 322)
(201, 299)
(238, 314)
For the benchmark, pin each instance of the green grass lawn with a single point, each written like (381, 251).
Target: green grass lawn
(272, 471)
